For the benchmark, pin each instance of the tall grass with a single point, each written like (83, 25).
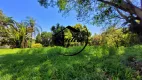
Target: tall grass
(94, 63)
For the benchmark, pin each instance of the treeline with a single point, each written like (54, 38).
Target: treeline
(60, 35)
(20, 35)
(113, 36)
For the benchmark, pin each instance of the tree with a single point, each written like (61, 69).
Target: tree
(97, 39)
(58, 35)
(102, 11)
(83, 34)
(62, 36)
(113, 36)
(105, 8)
(17, 33)
(46, 38)
(32, 27)
(38, 38)
(6, 25)
(67, 37)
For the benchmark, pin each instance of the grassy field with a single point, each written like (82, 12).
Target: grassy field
(94, 63)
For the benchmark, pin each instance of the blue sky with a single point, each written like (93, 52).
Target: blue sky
(20, 9)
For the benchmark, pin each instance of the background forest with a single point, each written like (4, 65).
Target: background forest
(27, 34)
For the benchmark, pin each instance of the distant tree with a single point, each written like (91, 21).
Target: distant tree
(62, 36)
(113, 36)
(58, 35)
(97, 39)
(67, 37)
(38, 38)
(32, 27)
(83, 34)
(46, 38)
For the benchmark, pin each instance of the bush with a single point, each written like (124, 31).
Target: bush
(36, 45)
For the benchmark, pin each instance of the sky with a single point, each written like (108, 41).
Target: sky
(45, 17)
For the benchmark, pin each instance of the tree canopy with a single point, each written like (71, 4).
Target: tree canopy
(99, 11)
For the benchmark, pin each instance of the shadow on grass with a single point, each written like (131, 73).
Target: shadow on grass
(33, 63)
(47, 63)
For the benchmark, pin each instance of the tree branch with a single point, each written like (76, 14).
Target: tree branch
(125, 7)
(129, 1)
(121, 14)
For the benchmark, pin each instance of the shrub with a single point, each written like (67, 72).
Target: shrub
(36, 45)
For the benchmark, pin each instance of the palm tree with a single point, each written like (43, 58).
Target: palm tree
(18, 34)
(17, 31)
(32, 27)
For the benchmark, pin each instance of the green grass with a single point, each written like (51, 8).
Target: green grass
(94, 63)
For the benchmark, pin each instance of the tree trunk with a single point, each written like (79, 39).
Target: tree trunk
(22, 44)
(31, 41)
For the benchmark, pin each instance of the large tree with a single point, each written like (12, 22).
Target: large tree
(102, 11)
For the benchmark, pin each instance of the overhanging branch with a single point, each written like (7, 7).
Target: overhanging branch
(132, 9)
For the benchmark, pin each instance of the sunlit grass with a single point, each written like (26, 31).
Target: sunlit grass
(8, 51)
(94, 63)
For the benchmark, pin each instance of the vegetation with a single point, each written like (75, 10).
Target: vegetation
(17, 34)
(37, 45)
(45, 38)
(103, 12)
(114, 54)
(64, 36)
(115, 37)
(95, 62)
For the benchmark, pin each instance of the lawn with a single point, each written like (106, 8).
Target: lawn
(94, 63)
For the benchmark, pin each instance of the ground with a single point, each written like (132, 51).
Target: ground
(94, 63)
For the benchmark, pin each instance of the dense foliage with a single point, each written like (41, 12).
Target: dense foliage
(99, 11)
(113, 36)
(103, 12)
(64, 36)
(17, 34)
(45, 38)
